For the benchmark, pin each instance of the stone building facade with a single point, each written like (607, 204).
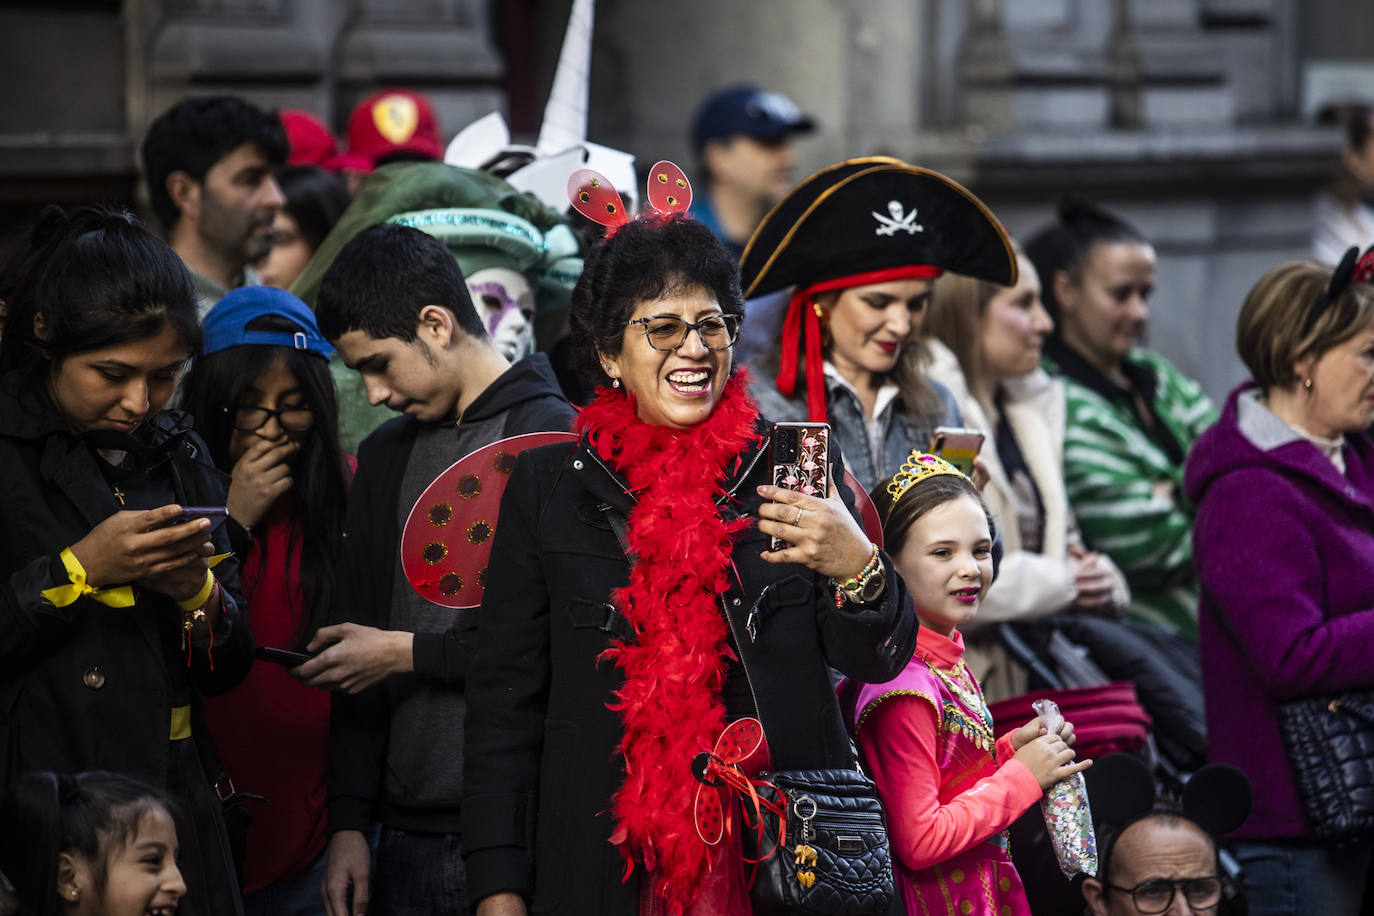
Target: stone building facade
(1187, 116)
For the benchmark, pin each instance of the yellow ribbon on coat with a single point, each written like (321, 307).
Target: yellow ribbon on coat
(63, 595)
(113, 596)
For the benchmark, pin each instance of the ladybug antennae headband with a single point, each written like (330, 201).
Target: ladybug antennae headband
(592, 194)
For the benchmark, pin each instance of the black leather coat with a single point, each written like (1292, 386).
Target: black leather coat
(540, 766)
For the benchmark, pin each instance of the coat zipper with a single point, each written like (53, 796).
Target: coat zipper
(729, 621)
(745, 476)
(739, 648)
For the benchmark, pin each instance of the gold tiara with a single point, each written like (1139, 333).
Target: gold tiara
(917, 467)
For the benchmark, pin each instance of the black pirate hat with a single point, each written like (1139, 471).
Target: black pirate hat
(858, 222)
(866, 215)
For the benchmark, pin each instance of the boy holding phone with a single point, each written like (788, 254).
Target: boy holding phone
(395, 305)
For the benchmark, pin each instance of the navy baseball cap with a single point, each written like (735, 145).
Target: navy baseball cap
(226, 325)
(750, 111)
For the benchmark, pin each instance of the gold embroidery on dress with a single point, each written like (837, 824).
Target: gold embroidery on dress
(957, 722)
(868, 710)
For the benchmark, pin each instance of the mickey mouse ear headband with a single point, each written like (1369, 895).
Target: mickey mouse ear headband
(595, 197)
(1217, 798)
(1354, 268)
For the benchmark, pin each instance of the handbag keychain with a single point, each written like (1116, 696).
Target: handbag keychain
(804, 856)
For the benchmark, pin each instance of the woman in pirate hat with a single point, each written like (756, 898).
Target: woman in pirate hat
(860, 243)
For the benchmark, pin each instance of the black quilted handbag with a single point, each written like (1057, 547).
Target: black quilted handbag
(835, 859)
(1330, 746)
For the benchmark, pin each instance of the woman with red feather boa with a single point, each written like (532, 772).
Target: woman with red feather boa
(633, 609)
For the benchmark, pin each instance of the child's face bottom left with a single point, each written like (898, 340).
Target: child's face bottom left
(946, 563)
(141, 877)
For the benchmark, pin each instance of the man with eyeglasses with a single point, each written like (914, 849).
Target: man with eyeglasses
(1162, 863)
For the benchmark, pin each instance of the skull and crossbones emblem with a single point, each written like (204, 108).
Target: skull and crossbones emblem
(897, 221)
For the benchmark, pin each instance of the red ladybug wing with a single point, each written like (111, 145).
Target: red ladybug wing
(868, 513)
(669, 189)
(593, 195)
(446, 542)
(709, 815)
(741, 739)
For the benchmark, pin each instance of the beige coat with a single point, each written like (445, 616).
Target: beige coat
(1029, 585)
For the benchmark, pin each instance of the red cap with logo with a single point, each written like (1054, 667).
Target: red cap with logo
(393, 123)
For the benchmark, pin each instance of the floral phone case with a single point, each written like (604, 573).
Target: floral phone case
(800, 458)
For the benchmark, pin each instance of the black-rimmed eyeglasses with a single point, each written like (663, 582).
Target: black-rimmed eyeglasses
(668, 332)
(1157, 894)
(294, 419)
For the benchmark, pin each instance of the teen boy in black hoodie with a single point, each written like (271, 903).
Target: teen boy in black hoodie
(395, 305)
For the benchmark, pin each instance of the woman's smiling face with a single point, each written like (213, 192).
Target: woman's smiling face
(677, 388)
(946, 563)
(869, 325)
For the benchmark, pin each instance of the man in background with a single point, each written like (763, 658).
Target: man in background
(743, 136)
(209, 162)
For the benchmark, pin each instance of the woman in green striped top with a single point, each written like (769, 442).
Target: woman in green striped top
(1132, 416)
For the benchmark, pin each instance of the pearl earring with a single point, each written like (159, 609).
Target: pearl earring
(615, 383)
(1307, 383)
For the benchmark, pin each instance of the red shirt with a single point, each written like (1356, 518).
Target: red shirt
(272, 732)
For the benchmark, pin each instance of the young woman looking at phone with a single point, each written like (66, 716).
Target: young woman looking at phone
(263, 399)
(112, 621)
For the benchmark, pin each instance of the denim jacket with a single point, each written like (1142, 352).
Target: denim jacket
(902, 430)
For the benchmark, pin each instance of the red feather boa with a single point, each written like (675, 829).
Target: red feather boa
(670, 702)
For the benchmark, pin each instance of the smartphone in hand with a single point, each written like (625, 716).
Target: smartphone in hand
(216, 514)
(800, 458)
(287, 657)
(957, 445)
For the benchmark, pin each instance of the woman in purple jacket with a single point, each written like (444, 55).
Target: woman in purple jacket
(1284, 548)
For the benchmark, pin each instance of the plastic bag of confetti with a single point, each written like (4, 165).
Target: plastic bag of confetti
(1068, 819)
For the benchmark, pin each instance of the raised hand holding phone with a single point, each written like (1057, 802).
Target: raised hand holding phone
(806, 520)
(144, 546)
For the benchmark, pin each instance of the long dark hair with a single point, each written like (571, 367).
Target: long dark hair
(1066, 244)
(89, 815)
(97, 278)
(212, 392)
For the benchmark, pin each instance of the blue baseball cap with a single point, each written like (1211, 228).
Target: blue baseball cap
(226, 325)
(750, 111)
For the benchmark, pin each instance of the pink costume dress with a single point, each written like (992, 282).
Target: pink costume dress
(927, 738)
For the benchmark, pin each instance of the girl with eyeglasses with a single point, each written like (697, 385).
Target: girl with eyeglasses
(117, 611)
(263, 398)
